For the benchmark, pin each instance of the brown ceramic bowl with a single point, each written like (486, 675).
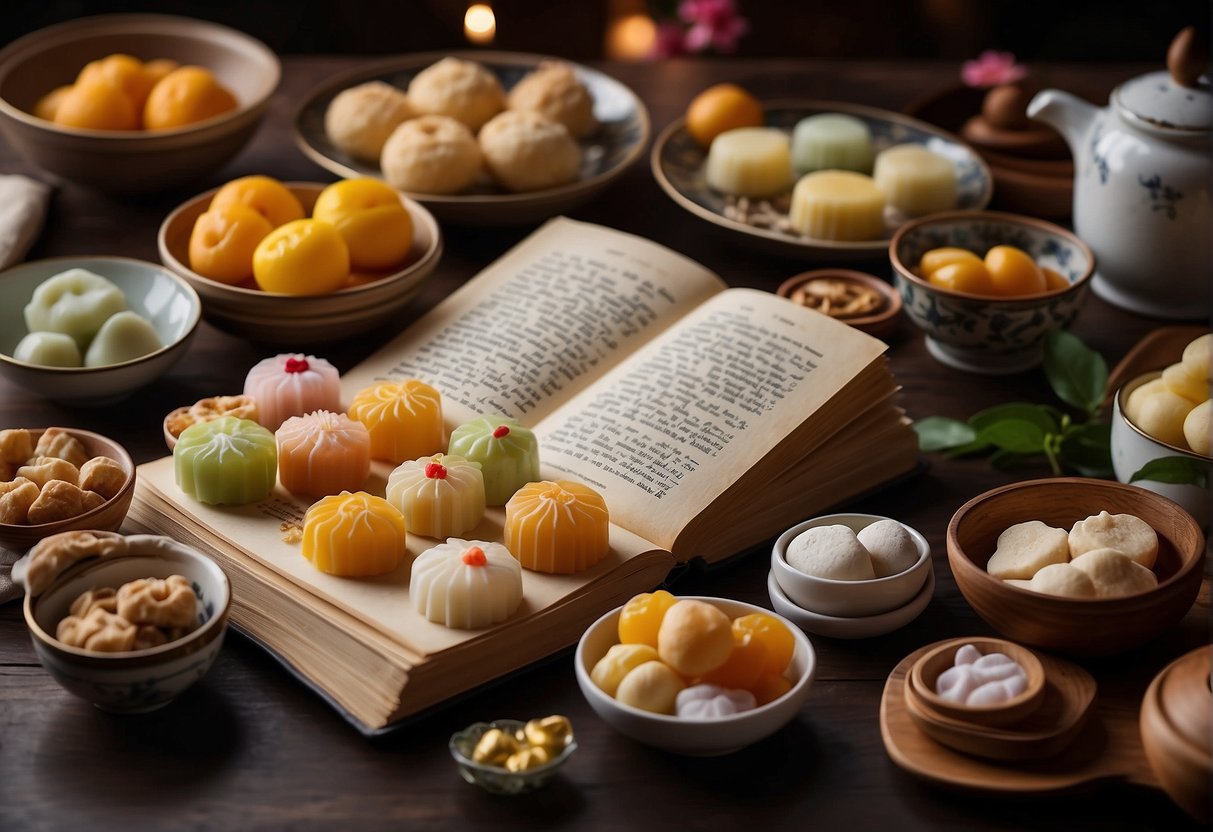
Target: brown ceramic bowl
(1077, 626)
(880, 322)
(925, 672)
(105, 517)
(133, 161)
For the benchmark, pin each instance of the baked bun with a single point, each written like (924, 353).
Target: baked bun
(360, 119)
(554, 91)
(431, 155)
(527, 152)
(463, 90)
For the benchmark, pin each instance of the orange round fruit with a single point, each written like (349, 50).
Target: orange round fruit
(1054, 280)
(223, 241)
(744, 666)
(303, 257)
(968, 276)
(1013, 272)
(156, 69)
(937, 258)
(720, 108)
(185, 96)
(640, 618)
(97, 104)
(123, 71)
(772, 633)
(371, 218)
(48, 104)
(264, 194)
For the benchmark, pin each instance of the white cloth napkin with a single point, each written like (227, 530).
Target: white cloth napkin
(23, 205)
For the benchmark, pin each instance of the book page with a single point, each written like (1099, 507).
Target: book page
(673, 427)
(542, 322)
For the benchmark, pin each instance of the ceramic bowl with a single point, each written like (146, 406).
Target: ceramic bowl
(694, 737)
(985, 334)
(495, 779)
(1077, 626)
(880, 322)
(925, 673)
(848, 599)
(850, 627)
(1132, 448)
(273, 318)
(163, 298)
(131, 161)
(138, 680)
(106, 517)
(606, 153)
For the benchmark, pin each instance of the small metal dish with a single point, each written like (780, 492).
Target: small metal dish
(496, 779)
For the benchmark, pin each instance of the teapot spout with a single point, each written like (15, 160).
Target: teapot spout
(1067, 114)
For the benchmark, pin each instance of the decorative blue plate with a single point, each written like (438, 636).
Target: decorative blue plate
(678, 166)
(606, 153)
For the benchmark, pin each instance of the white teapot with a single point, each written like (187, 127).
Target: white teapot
(1142, 185)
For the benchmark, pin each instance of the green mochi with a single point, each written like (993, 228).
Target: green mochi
(48, 349)
(75, 302)
(123, 337)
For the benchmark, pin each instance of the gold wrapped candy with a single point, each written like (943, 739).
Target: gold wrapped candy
(495, 747)
(528, 758)
(550, 732)
(536, 744)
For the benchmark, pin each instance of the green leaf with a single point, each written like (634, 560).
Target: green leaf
(937, 433)
(1077, 374)
(1181, 470)
(1015, 435)
(1087, 449)
(1038, 415)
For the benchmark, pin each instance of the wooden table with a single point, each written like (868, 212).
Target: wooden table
(250, 747)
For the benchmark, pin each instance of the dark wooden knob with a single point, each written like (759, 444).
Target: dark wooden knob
(1188, 57)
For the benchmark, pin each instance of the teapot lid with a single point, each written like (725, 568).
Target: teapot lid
(1158, 100)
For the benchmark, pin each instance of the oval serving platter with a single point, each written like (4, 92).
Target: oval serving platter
(678, 165)
(606, 153)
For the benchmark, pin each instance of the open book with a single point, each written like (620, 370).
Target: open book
(709, 418)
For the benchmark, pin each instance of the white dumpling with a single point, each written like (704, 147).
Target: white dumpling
(466, 584)
(124, 337)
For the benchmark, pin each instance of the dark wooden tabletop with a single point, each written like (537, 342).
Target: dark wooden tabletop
(250, 747)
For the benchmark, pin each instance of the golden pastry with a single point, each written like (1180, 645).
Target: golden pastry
(102, 475)
(60, 444)
(58, 500)
(165, 603)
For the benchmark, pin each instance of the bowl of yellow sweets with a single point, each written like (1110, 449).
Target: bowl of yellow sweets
(692, 675)
(133, 103)
(294, 263)
(1162, 428)
(987, 287)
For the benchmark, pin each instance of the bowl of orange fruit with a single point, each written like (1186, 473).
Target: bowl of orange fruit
(987, 287)
(295, 263)
(133, 103)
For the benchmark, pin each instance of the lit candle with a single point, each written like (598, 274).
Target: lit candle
(480, 24)
(557, 526)
(226, 461)
(404, 419)
(323, 453)
(354, 535)
(507, 452)
(466, 584)
(439, 495)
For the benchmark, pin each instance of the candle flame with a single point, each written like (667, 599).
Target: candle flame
(479, 23)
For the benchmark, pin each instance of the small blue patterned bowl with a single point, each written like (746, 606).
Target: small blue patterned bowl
(993, 336)
(138, 680)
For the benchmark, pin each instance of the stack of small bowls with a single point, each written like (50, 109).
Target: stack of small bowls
(849, 609)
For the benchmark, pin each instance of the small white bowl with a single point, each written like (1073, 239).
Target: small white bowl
(139, 680)
(694, 737)
(848, 599)
(865, 626)
(152, 291)
(1132, 448)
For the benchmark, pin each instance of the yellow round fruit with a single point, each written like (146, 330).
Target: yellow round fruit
(48, 104)
(937, 258)
(1054, 280)
(303, 257)
(968, 276)
(157, 69)
(720, 108)
(372, 220)
(187, 95)
(265, 195)
(97, 104)
(1013, 272)
(223, 241)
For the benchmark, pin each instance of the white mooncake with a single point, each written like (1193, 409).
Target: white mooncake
(914, 180)
(466, 584)
(750, 161)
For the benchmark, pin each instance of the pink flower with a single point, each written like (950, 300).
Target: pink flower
(991, 69)
(715, 24)
(669, 43)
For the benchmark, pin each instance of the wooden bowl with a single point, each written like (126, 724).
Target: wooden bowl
(1175, 730)
(1077, 626)
(106, 517)
(926, 671)
(880, 322)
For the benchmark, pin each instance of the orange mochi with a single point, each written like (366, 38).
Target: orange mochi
(323, 453)
(354, 535)
(559, 527)
(404, 419)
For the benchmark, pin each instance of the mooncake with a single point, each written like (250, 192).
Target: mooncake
(750, 161)
(404, 419)
(354, 535)
(837, 205)
(292, 384)
(466, 584)
(226, 461)
(440, 495)
(914, 180)
(323, 453)
(832, 141)
(507, 452)
(557, 526)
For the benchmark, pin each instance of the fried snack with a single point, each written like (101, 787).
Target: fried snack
(99, 630)
(90, 500)
(16, 446)
(16, 500)
(102, 475)
(204, 410)
(104, 597)
(53, 554)
(43, 469)
(59, 500)
(58, 443)
(164, 603)
(147, 636)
